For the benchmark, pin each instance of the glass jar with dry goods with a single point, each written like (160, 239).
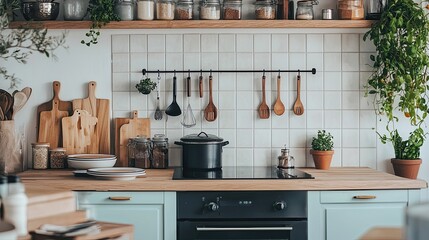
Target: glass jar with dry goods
(40, 153)
(145, 9)
(58, 158)
(159, 151)
(231, 10)
(350, 9)
(265, 9)
(285, 159)
(74, 10)
(139, 152)
(184, 10)
(125, 9)
(165, 9)
(210, 10)
(304, 10)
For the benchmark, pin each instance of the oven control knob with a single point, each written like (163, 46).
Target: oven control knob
(281, 205)
(212, 206)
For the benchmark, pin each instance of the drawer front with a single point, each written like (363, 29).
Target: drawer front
(125, 198)
(369, 196)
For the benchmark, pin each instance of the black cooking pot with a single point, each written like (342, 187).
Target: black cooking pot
(202, 151)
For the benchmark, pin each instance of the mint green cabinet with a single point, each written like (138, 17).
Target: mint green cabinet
(339, 215)
(153, 214)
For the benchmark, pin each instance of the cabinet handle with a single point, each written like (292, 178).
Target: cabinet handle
(120, 198)
(364, 197)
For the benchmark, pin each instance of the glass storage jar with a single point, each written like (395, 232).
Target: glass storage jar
(265, 9)
(125, 9)
(165, 10)
(40, 153)
(285, 159)
(304, 10)
(184, 10)
(374, 8)
(75, 10)
(139, 152)
(58, 158)
(210, 10)
(350, 10)
(159, 151)
(145, 9)
(231, 9)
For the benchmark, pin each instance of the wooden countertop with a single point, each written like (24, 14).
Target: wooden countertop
(43, 182)
(384, 233)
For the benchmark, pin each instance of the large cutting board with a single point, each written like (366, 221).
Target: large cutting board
(126, 128)
(50, 125)
(47, 106)
(77, 131)
(99, 108)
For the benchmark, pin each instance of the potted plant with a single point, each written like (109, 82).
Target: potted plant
(399, 81)
(145, 85)
(322, 149)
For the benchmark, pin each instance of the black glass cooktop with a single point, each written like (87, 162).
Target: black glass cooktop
(241, 173)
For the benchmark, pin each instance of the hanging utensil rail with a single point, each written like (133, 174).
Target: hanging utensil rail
(145, 71)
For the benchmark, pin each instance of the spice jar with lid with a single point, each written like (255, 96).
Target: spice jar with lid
(139, 152)
(231, 9)
(165, 9)
(145, 9)
(40, 153)
(285, 159)
(304, 10)
(210, 10)
(350, 10)
(75, 10)
(58, 158)
(265, 9)
(159, 151)
(184, 10)
(125, 9)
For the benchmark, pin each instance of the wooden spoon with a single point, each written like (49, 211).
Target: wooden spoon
(279, 107)
(263, 109)
(27, 91)
(20, 99)
(210, 113)
(1, 114)
(298, 108)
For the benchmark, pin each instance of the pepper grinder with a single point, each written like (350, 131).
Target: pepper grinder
(285, 160)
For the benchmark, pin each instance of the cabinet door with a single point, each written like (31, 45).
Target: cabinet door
(147, 219)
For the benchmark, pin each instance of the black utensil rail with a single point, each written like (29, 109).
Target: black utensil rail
(145, 71)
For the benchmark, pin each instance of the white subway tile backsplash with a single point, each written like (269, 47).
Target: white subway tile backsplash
(350, 100)
(280, 121)
(191, 61)
(229, 135)
(279, 61)
(297, 61)
(279, 43)
(245, 100)
(338, 136)
(366, 46)
(156, 43)
(350, 119)
(244, 156)
(209, 61)
(315, 60)
(228, 157)
(138, 101)
(279, 138)
(262, 43)
(332, 118)
(156, 61)
(366, 102)
(260, 123)
(262, 138)
(227, 61)
(332, 80)
(227, 100)
(314, 100)
(244, 42)
(120, 62)
(350, 138)
(227, 119)
(191, 43)
(315, 82)
(363, 78)
(297, 43)
(120, 44)
(209, 43)
(350, 157)
(174, 43)
(337, 158)
(245, 119)
(120, 82)
(298, 138)
(227, 81)
(138, 62)
(227, 43)
(245, 81)
(350, 81)
(244, 138)
(262, 157)
(332, 43)
(368, 138)
(298, 121)
(368, 157)
(138, 43)
(365, 62)
(350, 42)
(121, 101)
(332, 62)
(262, 61)
(332, 100)
(315, 119)
(315, 43)
(300, 156)
(367, 119)
(350, 61)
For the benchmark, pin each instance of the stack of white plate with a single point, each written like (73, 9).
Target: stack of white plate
(86, 161)
(117, 173)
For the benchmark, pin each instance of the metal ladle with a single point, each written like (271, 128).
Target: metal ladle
(188, 118)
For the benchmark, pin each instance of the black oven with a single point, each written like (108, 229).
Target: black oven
(242, 215)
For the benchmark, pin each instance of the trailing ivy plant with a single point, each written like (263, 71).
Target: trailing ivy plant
(19, 44)
(101, 13)
(400, 81)
(323, 142)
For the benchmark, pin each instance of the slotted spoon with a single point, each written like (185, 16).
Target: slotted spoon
(188, 118)
(298, 107)
(158, 112)
(263, 109)
(210, 113)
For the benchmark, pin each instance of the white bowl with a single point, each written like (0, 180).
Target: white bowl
(91, 164)
(7, 231)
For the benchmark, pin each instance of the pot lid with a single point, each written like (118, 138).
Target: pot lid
(159, 138)
(201, 137)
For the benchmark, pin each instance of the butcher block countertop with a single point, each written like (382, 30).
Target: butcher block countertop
(40, 182)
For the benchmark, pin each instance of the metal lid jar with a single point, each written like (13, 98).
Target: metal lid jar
(165, 9)
(265, 10)
(145, 9)
(125, 9)
(350, 10)
(139, 152)
(159, 151)
(231, 9)
(304, 10)
(184, 10)
(40, 154)
(210, 10)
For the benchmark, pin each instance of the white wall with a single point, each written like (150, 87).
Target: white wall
(333, 98)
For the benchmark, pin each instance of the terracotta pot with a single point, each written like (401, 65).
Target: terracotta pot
(322, 159)
(408, 168)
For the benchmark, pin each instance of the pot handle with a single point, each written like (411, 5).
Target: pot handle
(203, 133)
(225, 143)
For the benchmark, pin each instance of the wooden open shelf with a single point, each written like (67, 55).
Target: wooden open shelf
(157, 24)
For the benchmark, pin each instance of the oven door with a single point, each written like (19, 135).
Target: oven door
(242, 230)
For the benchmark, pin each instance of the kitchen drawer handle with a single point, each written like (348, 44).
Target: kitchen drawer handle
(244, 228)
(364, 197)
(120, 198)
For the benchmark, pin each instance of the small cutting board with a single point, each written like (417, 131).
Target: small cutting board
(126, 128)
(77, 131)
(99, 108)
(48, 106)
(50, 125)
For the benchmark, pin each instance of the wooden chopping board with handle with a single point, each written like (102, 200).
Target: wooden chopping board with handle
(50, 125)
(135, 127)
(77, 131)
(48, 106)
(99, 108)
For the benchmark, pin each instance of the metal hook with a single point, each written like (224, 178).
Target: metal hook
(189, 72)
(210, 72)
(263, 73)
(174, 73)
(299, 73)
(159, 74)
(279, 73)
(201, 72)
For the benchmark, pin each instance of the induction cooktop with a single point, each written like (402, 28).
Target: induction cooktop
(236, 173)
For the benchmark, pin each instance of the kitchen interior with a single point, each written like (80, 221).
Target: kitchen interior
(243, 66)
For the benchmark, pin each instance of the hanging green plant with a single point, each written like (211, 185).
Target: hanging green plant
(101, 13)
(145, 86)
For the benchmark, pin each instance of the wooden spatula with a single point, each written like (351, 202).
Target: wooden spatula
(263, 109)
(298, 107)
(279, 107)
(210, 113)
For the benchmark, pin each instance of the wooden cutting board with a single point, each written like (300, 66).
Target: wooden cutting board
(47, 106)
(129, 128)
(99, 108)
(77, 131)
(50, 125)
